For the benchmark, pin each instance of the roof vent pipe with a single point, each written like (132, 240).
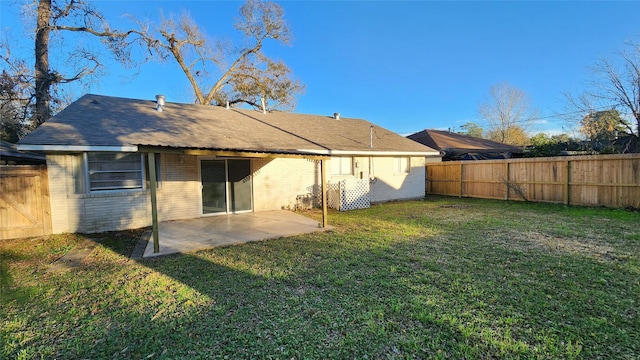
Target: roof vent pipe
(336, 116)
(227, 104)
(264, 106)
(159, 102)
(371, 136)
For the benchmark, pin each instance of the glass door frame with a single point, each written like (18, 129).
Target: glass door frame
(227, 185)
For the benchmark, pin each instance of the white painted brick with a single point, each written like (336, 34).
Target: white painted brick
(390, 186)
(276, 184)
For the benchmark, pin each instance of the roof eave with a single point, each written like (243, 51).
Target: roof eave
(135, 148)
(373, 152)
(76, 148)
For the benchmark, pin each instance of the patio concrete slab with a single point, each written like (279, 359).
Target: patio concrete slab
(181, 236)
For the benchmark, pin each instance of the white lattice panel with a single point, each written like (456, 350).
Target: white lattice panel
(333, 195)
(354, 194)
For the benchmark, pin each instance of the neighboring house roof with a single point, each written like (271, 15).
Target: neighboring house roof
(459, 146)
(103, 122)
(627, 144)
(10, 155)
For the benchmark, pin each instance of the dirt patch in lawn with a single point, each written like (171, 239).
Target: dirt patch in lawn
(532, 240)
(454, 206)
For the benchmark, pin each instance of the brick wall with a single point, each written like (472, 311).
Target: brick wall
(389, 185)
(118, 210)
(277, 182)
(59, 169)
(178, 198)
(276, 185)
(386, 184)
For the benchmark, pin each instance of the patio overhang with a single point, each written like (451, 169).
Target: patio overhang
(225, 153)
(244, 153)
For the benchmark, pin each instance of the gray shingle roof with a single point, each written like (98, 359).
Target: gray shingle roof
(95, 120)
(446, 140)
(9, 153)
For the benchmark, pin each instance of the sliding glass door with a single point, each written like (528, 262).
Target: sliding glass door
(239, 179)
(226, 186)
(214, 186)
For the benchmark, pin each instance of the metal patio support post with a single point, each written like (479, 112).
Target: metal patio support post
(154, 202)
(323, 164)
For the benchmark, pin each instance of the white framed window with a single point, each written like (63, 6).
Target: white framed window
(115, 171)
(103, 171)
(401, 165)
(341, 165)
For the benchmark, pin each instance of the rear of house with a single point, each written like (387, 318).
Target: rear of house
(103, 153)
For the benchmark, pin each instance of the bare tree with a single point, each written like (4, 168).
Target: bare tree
(508, 114)
(614, 87)
(220, 74)
(54, 17)
(16, 97)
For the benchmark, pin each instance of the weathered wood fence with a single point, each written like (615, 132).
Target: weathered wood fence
(24, 202)
(602, 180)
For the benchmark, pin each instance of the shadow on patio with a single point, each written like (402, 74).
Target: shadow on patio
(181, 236)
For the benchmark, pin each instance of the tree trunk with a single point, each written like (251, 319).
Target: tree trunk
(43, 81)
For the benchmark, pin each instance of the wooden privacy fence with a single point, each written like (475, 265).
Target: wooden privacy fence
(598, 180)
(24, 202)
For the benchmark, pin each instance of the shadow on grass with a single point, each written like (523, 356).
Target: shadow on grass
(376, 287)
(356, 294)
(318, 296)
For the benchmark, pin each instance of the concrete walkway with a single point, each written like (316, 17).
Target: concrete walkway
(180, 236)
(74, 258)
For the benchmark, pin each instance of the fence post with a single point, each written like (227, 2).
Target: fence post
(461, 168)
(506, 183)
(426, 180)
(567, 182)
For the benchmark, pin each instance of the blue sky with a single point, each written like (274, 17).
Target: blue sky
(404, 65)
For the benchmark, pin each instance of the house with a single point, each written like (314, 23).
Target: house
(117, 163)
(9, 155)
(627, 144)
(455, 146)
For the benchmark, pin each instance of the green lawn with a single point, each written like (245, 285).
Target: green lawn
(441, 278)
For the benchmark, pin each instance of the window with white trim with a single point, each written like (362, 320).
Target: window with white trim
(341, 165)
(401, 165)
(115, 171)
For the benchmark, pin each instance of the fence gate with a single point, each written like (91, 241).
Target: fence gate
(24, 202)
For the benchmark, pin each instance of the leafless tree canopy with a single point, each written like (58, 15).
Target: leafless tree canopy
(16, 99)
(54, 18)
(218, 72)
(221, 74)
(615, 85)
(508, 114)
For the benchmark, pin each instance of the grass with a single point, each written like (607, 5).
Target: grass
(441, 278)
